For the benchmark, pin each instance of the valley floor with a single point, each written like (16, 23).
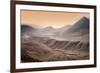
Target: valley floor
(60, 55)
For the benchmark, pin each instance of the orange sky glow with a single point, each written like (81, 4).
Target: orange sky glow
(43, 19)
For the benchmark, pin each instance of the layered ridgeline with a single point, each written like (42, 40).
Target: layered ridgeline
(50, 44)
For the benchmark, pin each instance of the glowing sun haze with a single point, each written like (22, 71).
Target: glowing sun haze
(43, 19)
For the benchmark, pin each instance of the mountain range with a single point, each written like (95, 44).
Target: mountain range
(46, 43)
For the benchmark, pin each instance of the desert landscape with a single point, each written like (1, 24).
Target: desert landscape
(70, 42)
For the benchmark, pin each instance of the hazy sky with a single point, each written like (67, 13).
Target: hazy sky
(43, 19)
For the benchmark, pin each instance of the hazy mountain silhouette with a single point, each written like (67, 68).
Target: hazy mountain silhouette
(79, 31)
(49, 28)
(82, 24)
(26, 28)
(50, 44)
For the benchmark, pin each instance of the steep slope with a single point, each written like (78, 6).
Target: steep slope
(32, 50)
(82, 24)
(67, 45)
(78, 30)
(26, 28)
(49, 44)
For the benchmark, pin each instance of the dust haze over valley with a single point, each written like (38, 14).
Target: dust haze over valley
(54, 42)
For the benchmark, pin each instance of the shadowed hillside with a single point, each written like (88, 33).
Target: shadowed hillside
(50, 44)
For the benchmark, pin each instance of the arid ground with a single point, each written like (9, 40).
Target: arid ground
(50, 44)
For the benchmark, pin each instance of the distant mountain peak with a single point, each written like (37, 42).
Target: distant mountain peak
(65, 27)
(26, 28)
(82, 23)
(49, 27)
(83, 19)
